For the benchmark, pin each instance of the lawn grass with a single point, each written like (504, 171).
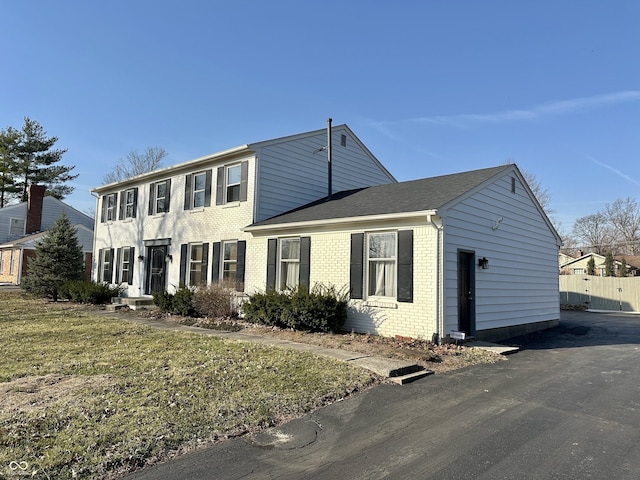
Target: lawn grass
(89, 397)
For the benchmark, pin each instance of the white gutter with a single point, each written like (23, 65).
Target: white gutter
(336, 222)
(438, 225)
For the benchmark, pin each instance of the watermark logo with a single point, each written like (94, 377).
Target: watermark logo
(18, 468)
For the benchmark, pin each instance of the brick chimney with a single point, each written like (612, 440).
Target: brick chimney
(34, 208)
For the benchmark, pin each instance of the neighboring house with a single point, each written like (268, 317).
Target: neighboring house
(469, 253)
(579, 266)
(564, 258)
(633, 264)
(22, 224)
(184, 224)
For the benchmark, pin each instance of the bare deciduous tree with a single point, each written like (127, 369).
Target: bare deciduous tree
(136, 163)
(595, 231)
(624, 218)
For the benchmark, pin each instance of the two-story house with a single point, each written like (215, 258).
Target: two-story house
(23, 224)
(430, 258)
(184, 224)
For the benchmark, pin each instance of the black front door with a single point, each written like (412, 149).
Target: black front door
(156, 269)
(466, 293)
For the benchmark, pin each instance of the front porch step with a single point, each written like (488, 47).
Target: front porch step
(410, 377)
(134, 303)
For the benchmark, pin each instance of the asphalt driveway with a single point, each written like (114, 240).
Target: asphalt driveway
(567, 406)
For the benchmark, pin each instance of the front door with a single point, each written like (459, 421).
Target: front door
(156, 269)
(466, 293)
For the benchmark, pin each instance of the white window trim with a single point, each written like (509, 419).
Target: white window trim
(224, 262)
(194, 262)
(129, 215)
(203, 190)
(106, 252)
(157, 187)
(394, 258)
(12, 263)
(122, 264)
(281, 261)
(228, 185)
(111, 212)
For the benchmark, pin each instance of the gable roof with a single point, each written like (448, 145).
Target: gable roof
(28, 241)
(427, 194)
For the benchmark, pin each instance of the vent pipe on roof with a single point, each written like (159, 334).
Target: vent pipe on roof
(329, 157)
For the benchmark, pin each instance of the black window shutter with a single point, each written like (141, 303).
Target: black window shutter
(132, 258)
(188, 191)
(135, 202)
(240, 265)
(184, 252)
(215, 264)
(205, 262)
(123, 195)
(356, 270)
(305, 261)
(100, 264)
(167, 199)
(244, 177)
(220, 186)
(272, 253)
(118, 261)
(103, 210)
(110, 271)
(152, 198)
(405, 266)
(207, 189)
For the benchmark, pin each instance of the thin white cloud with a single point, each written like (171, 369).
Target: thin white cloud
(562, 107)
(614, 170)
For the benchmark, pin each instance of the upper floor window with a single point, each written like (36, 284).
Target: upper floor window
(381, 272)
(232, 183)
(16, 226)
(160, 197)
(128, 203)
(109, 205)
(197, 192)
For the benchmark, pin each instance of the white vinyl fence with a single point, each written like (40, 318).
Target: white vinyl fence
(601, 293)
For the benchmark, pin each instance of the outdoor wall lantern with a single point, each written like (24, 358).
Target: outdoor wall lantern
(483, 263)
(169, 257)
(140, 258)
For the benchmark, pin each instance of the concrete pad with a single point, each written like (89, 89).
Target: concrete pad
(493, 347)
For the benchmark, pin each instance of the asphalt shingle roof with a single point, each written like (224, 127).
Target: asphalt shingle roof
(402, 197)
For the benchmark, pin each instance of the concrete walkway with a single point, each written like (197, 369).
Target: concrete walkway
(397, 371)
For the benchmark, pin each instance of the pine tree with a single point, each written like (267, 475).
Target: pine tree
(9, 140)
(609, 267)
(58, 259)
(591, 267)
(36, 162)
(624, 270)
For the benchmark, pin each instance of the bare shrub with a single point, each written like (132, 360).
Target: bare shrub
(216, 300)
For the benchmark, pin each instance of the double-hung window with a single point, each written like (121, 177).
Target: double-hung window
(129, 202)
(109, 207)
(199, 186)
(233, 183)
(124, 261)
(159, 197)
(230, 261)
(197, 190)
(106, 265)
(195, 264)
(382, 268)
(289, 263)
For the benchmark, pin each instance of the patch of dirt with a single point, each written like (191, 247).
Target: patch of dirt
(438, 358)
(34, 393)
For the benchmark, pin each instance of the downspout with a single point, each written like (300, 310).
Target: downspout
(329, 160)
(437, 224)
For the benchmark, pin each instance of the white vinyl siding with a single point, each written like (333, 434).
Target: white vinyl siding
(301, 165)
(521, 284)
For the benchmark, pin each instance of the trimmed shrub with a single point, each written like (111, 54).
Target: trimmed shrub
(179, 303)
(215, 300)
(323, 309)
(82, 291)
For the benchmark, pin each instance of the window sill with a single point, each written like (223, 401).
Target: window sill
(127, 220)
(381, 303)
(196, 210)
(231, 205)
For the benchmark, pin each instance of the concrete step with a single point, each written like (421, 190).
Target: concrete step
(410, 377)
(134, 303)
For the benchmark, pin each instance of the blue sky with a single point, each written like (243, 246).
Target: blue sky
(431, 87)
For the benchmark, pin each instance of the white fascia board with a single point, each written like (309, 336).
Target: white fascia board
(171, 170)
(345, 222)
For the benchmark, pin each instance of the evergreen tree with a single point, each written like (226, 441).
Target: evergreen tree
(623, 271)
(609, 267)
(35, 162)
(9, 139)
(58, 260)
(591, 267)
